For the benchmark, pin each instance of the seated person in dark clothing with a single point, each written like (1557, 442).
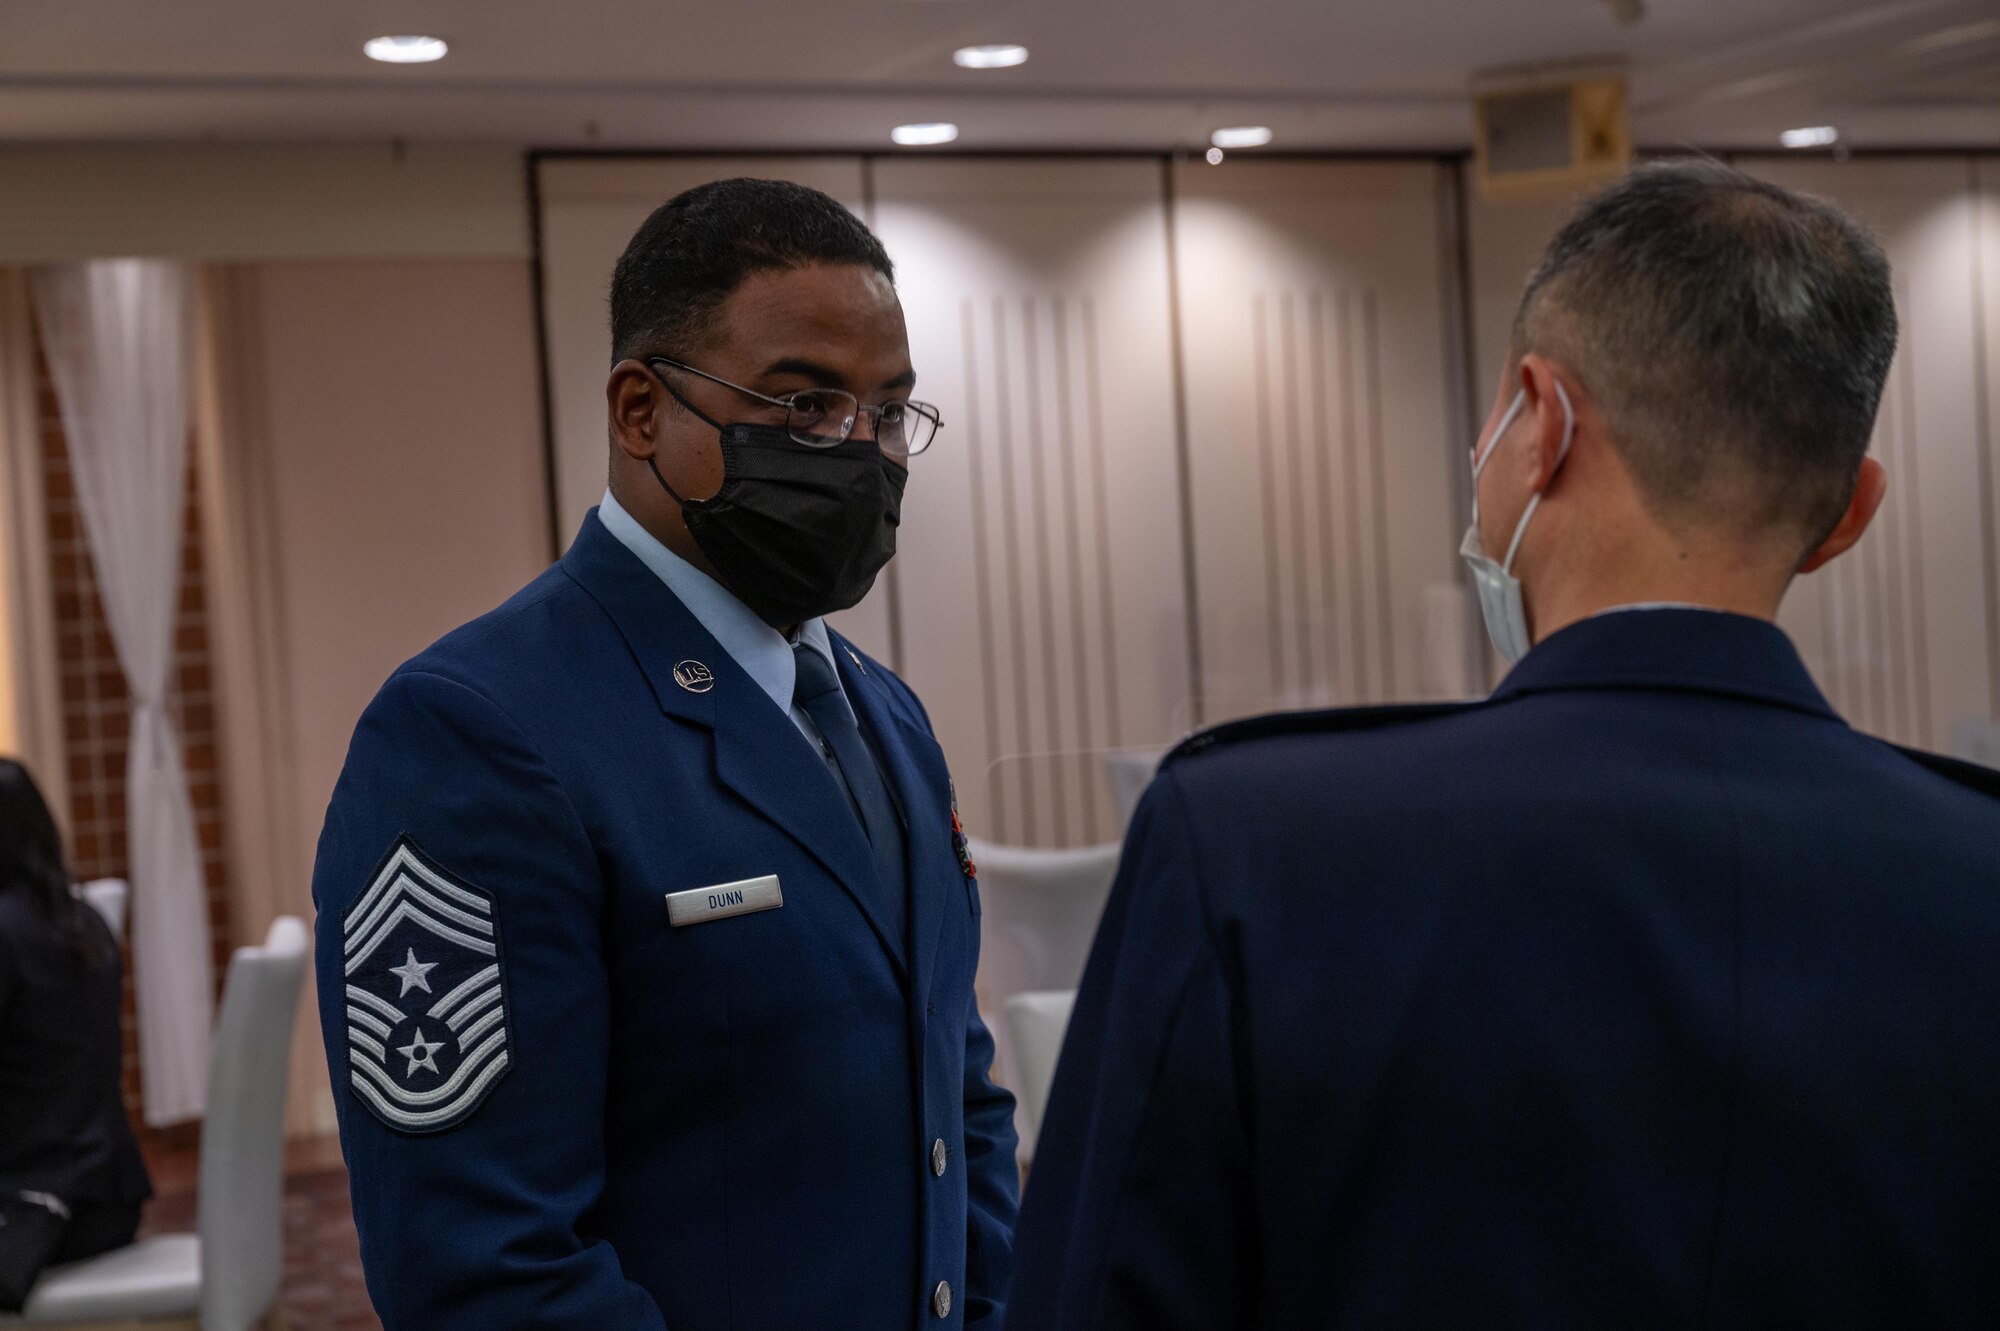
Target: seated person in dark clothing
(71, 1179)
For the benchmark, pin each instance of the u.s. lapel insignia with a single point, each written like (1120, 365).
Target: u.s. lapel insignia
(427, 1006)
(959, 841)
(694, 677)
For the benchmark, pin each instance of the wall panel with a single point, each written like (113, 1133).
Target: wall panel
(1041, 585)
(400, 503)
(1320, 420)
(243, 201)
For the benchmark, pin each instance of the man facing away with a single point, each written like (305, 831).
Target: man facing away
(1645, 993)
(646, 936)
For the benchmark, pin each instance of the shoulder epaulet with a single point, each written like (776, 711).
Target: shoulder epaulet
(1330, 721)
(1985, 780)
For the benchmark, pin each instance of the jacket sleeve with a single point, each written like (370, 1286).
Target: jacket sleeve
(10, 978)
(1138, 1211)
(479, 1225)
(994, 1182)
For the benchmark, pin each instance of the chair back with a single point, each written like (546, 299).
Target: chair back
(241, 1198)
(1131, 771)
(107, 896)
(1977, 740)
(1037, 1023)
(1040, 912)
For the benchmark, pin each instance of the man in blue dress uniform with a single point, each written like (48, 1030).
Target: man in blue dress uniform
(1645, 993)
(646, 940)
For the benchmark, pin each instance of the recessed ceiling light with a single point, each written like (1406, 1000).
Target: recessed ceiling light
(405, 50)
(999, 55)
(924, 135)
(1242, 136)
(1215, 157)
(1813, 136)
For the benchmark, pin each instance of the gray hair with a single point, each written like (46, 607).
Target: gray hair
(1735, 335)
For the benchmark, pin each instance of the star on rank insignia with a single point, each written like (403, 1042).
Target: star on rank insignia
(427, 1013)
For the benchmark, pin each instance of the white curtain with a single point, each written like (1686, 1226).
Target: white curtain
(116, 333)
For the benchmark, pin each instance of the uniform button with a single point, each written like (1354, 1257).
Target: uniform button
(941, 1299)
(938, 1157)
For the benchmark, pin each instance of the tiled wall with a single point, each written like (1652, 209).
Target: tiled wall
(97, 709)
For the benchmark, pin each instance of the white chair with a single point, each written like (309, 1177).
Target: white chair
(224, 1278)
(1131, 771)
(107, 895)
(1977, 740)
(1037, 1023)
(1041, 911)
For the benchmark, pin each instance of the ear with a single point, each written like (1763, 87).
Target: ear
(1869, 487)
(634, 398)
(1554, 425)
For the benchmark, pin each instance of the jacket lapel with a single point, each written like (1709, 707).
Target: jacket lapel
(915, 769)
(759, 753)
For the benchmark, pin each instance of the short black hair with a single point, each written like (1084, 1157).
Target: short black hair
(700, 245)
(1735, 335)
(31, 863)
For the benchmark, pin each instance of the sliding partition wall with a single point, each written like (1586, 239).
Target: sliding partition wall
(1041, 604)
(1206, 442)
(1200, 459)
(1318, 317)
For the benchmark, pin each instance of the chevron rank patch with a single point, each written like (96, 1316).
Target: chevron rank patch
(427, 1018)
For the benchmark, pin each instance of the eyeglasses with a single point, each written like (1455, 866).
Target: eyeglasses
(826, 417)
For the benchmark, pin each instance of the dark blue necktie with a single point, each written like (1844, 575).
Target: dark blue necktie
(817, 691)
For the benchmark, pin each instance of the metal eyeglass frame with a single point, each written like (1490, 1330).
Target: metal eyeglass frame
(811, 439)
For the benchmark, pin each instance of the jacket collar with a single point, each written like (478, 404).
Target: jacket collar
(1687, 649)
(663, 633)
(760, 649)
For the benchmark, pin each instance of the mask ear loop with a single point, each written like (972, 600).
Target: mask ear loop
(1484, 455)
(1521, 528)
(698, 413)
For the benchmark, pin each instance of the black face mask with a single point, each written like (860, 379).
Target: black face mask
(796, 532)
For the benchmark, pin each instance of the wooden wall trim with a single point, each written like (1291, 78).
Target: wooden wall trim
(34, 687)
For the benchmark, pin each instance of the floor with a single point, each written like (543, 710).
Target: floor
(322, 1288)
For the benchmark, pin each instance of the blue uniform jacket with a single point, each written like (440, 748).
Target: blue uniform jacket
(561, 1111)
(1644, 994)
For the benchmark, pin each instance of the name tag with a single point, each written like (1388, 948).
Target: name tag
(702, 904)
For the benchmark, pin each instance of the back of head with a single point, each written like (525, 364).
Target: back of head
(1735, 337)
(31, 865)
(698, 247)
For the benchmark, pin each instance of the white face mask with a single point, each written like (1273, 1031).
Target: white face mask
(1499, 590)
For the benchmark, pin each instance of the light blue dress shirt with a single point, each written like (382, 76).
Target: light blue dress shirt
(761, 650)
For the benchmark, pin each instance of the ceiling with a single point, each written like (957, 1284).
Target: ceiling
(1145, 74)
